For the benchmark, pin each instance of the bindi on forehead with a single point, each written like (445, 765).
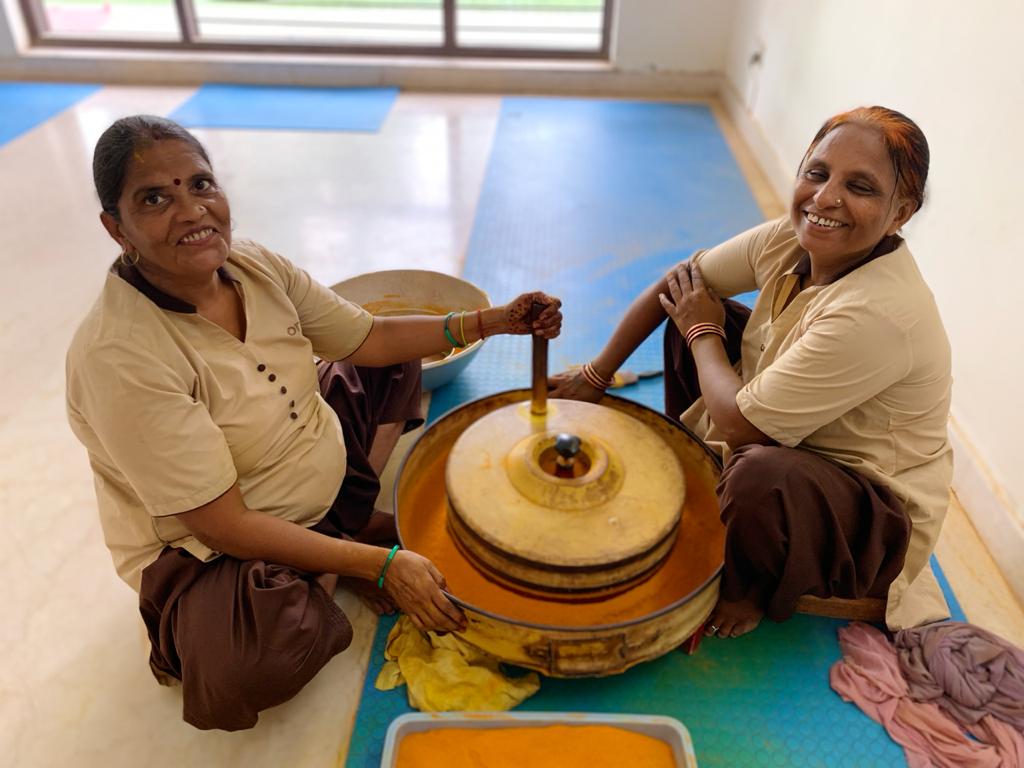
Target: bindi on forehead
(177, 182)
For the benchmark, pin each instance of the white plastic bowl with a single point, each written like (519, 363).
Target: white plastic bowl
(668, 729)
(420, 291)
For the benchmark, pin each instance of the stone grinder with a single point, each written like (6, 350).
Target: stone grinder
(579, 538)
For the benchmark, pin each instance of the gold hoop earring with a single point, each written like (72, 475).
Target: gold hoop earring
(125, 258)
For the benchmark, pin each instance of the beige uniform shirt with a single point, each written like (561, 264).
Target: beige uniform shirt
(858, 371)
(174, 409)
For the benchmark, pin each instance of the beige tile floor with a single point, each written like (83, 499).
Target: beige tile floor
(74, 685)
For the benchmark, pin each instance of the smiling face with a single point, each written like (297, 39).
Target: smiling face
(845, 199)
(172, 213)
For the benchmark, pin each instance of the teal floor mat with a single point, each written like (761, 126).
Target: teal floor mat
(592, 200)
(759, 700)
(23, 106)
(289, 108)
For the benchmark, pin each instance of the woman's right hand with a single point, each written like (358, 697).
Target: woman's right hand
(517, 317)
(573, 385)
(415, 585)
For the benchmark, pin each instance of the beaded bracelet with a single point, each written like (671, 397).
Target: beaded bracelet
(594, 378)
(700, 329)
(387, 564)
(448, 334)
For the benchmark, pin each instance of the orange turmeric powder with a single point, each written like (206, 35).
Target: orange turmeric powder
(696, 556)
(553, 746)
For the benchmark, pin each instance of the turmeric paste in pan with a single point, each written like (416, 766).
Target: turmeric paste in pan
(552, 746)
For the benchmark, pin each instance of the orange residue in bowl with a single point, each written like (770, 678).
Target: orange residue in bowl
(552, 746)
(696, 556)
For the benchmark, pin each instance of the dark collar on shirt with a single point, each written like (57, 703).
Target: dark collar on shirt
(132, 276)
(887, 245)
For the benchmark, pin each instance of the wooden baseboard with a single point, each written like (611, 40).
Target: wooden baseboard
(774, 169)
(998, 523)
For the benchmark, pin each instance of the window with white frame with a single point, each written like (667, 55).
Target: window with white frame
(519, 28)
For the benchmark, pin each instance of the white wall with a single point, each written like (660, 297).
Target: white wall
(672, 35)
(12, 30)
(953, 67)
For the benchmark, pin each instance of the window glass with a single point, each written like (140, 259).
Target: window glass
(339, 22)
(113, 19)
(566, 25)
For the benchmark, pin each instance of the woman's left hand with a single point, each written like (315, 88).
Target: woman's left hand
(573, 385)
(517, 313)
(691, 301)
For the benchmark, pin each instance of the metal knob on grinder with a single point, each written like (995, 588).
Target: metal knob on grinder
(567, 447)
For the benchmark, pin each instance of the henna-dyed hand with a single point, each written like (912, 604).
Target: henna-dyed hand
(517, 313)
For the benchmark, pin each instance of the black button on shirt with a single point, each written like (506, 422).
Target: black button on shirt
(261, 367)
(272, 377)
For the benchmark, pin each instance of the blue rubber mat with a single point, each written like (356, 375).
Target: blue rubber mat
(288, 108)
(592, 201)
(23, 106)
(759, 700)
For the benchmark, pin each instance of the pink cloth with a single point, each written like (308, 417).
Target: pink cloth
(869, 676)
(966, 670)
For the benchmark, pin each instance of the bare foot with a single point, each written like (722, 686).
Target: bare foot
(374, 597)
(733, 619)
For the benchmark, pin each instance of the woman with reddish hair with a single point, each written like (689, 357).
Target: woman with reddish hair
(828, 401)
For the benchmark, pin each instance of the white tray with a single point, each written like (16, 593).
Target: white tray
(667, 729)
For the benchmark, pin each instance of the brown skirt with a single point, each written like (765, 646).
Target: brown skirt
(243, 636)
(797, 523)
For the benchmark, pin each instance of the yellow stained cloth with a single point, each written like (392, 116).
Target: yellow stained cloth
(446, 674)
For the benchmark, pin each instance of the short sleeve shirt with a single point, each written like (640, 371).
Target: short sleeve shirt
(858, 370)
(173, 409)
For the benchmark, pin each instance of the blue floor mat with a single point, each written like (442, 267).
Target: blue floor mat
(293, 108)
(23, 106)
(592, 201)
(759, 700)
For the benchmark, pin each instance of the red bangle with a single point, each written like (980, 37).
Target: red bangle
(700, 329)
(594, 378)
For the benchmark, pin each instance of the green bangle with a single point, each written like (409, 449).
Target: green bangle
(447, 333)
(387, 564)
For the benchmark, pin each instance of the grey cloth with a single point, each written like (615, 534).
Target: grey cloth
(966, 670)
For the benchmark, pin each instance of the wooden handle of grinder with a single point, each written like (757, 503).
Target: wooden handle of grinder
(539, 399)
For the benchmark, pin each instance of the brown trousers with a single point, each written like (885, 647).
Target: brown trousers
(797, 523)
(243, 636)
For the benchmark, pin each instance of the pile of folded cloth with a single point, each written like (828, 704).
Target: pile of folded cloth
(950, 693)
